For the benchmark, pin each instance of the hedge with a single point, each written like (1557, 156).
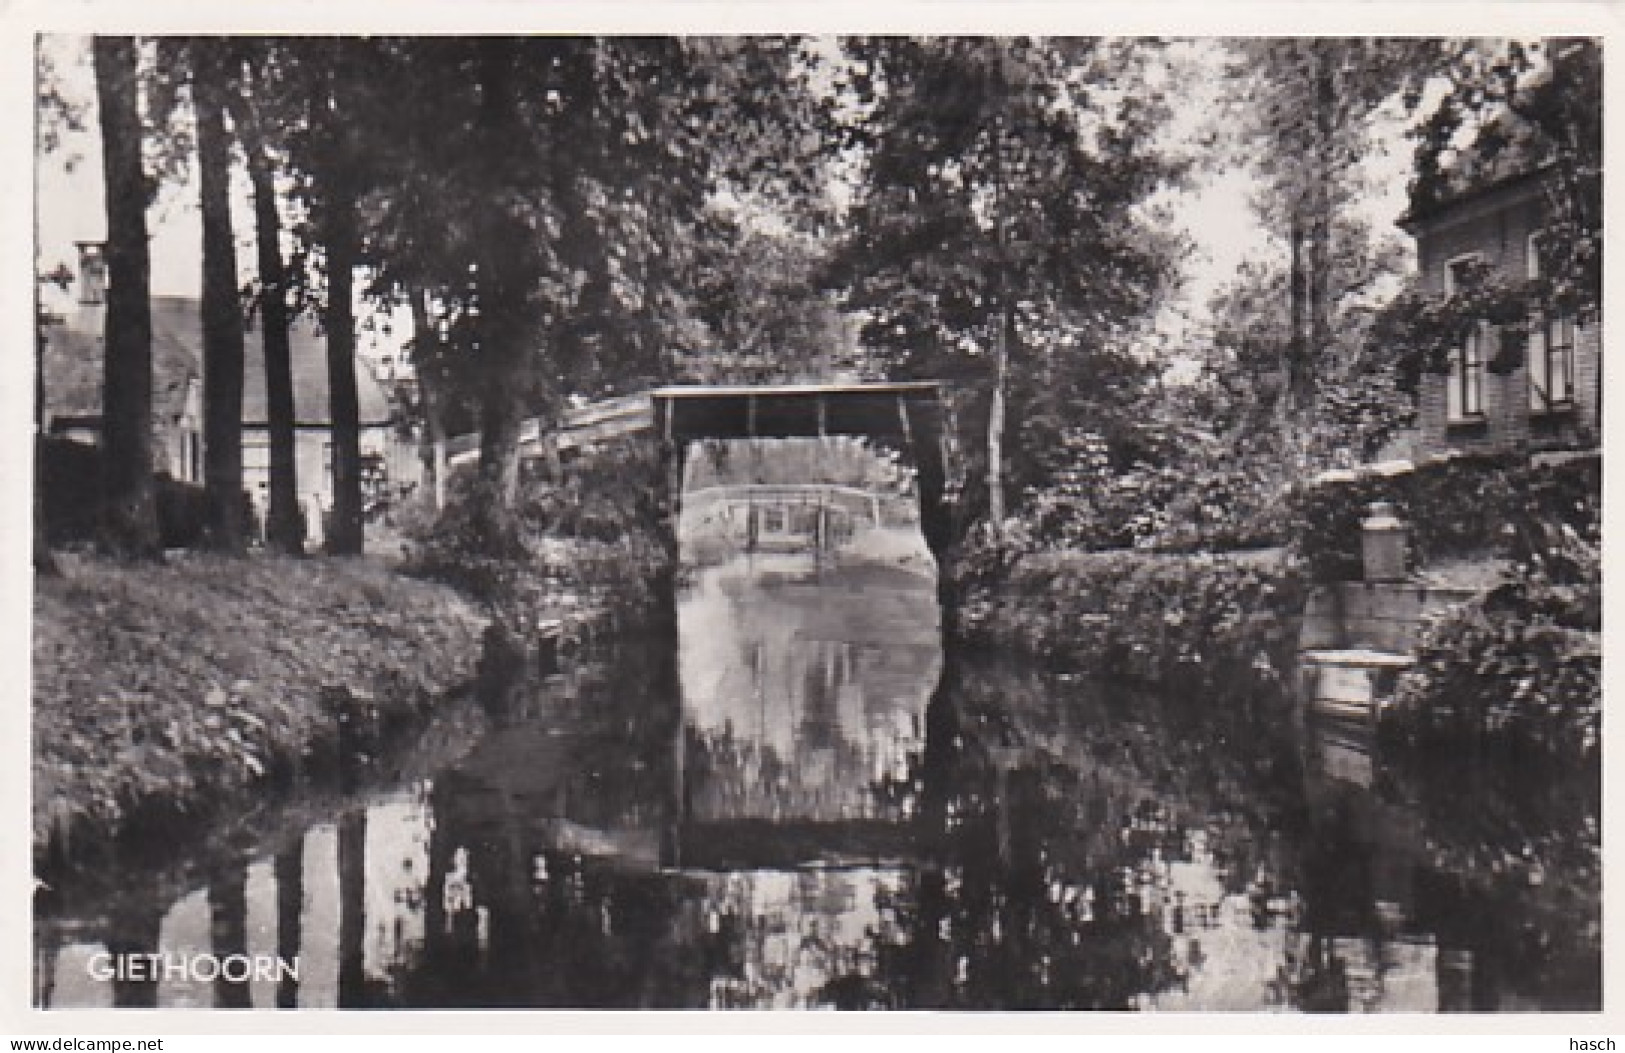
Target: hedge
(1222, 626)
(70, 489)
(1470, 506)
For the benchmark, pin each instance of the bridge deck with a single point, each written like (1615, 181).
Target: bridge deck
(896, 409)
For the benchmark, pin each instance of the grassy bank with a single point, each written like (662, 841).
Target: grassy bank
(169, 690)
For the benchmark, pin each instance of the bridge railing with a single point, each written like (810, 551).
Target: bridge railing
(851, 498)
(579, 426)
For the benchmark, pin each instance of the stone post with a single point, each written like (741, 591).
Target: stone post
(1382, 543)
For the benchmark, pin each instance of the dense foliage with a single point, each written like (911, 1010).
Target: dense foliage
(1175, 497)
(1303, 113)
(1504, 707)
(1491, 507)
(1513, 108)
(1222, 628)
(581, 545)
(68, 491)
(999, 236)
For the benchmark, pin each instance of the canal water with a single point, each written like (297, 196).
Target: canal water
(803, 802)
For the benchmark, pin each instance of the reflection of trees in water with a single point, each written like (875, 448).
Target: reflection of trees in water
(552, 929)
(516, 917)
(1050, 829)
(796, 697)
(1051, 823)
(1515, 871)
(732, 775)
(1432, 852)
(1054, 814)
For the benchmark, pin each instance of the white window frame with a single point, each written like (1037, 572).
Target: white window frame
(1450, 266)
(1464, 388)
(1551, 344)
(256, 453)
(1464, 397)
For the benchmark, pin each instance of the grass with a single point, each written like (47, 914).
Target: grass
(171, 688)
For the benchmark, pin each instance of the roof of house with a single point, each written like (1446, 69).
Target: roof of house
(1506, 152)
(73, 366)
(1506, 149)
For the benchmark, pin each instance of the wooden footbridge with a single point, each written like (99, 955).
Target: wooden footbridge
(909, 416)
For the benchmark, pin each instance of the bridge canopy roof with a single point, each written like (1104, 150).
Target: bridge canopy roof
(882, 410)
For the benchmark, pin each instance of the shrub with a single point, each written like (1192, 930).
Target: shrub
(1226, 509)
(70, 490)
(69, 486)
(183, 512)
(1325, 524)
(1505, 704)
(1214, 627)
(590, 537)
(473, 545)
(1198, 503)
(1479, 506)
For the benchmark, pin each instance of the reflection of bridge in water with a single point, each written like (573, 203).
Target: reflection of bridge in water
(816, 517)
(910, 418)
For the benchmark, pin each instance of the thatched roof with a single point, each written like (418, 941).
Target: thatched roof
(73, 367)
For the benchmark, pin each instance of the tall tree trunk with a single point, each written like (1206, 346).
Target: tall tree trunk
(228, 930)
(1320, 245)
(135, 928)
(44, 561)
(283, 530)
(1295, 373)
(996, 420)
(1001, 340)
(341, 239)
(352, 909)
(499, 435)
(426, 352)
(222, 312)
(129, 510)
(289, 868)
(502, 291)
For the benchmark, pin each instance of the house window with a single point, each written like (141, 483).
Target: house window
(256, 456)
(1551, 364)
(1551, 349)
(1457, 271)
(1464, 394)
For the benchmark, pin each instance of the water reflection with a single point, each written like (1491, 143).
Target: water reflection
(798, 696)
(1054, 844)
(805, 805)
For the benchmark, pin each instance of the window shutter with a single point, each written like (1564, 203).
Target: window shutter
(1453, 386)
(1540, 388)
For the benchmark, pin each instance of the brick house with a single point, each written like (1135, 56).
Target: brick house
(72, 368)
(1552, 400)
